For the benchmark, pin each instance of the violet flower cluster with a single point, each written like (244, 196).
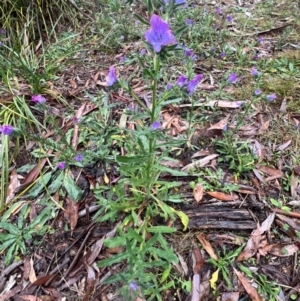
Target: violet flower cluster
(7, 129)
(191, 85)
(159, 34)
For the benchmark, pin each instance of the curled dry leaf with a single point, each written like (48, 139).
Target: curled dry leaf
(259, 176)
(71, 213)
(284, 145)
(199, 163)
(264, 127)
(223, 196)
(271, 171)
(201, 153)
(221, 125)
(13, 184)
(254, 296)
(254, 240)
(207, 246)
(282, 250)
(198, 192)
(32, 276)
(245, 189)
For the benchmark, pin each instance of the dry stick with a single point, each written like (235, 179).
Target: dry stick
(73, 263)
(292, 214)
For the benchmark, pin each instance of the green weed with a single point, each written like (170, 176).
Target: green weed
(13, 237)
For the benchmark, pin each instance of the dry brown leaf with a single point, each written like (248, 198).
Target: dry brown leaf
(199, 163)
(294, 184)
(172, 164)
(221, 125)
(198, 260)
(26, 269)
(230, 296)
(207, 246)
(34, 173)
(71, 213)
(216, 103)
(223, 196)
(32, 276)
(248, 287)
(201, 153)
(271, 171)
(283, 250)
(254, 240)
(264, 127)
(42, 280)
(245, 189)
(78, 115)
(13, 184)
(198, 192)
(258, 149)
(90, 283)
(73, 83)
(259, 176)
(284, 145)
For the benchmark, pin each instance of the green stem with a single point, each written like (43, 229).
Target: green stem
(242, 117)
(4, 173)
(137, 99)
(154, 87)
(152, 119)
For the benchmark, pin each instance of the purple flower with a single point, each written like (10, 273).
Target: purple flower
(218, 11)
(188, 52)
(169, 86)
(38, 99)
(260, 40)
(255, 57)
(271, 97)
(122, 37)
(189, 22)
(130, 108)
(111, 78)
(254, 71)
(78, 158)
(122, 59)
(133, 286)
(2, 31)
(6, 129)
(232, 78)
(229, 18)
(181, 81)
(257, 92)
(223, 55)
(159, 34)
(75, 120)
(155, 125)
(61, 165)
(213, 49)
(193, 83)
(143, 51)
